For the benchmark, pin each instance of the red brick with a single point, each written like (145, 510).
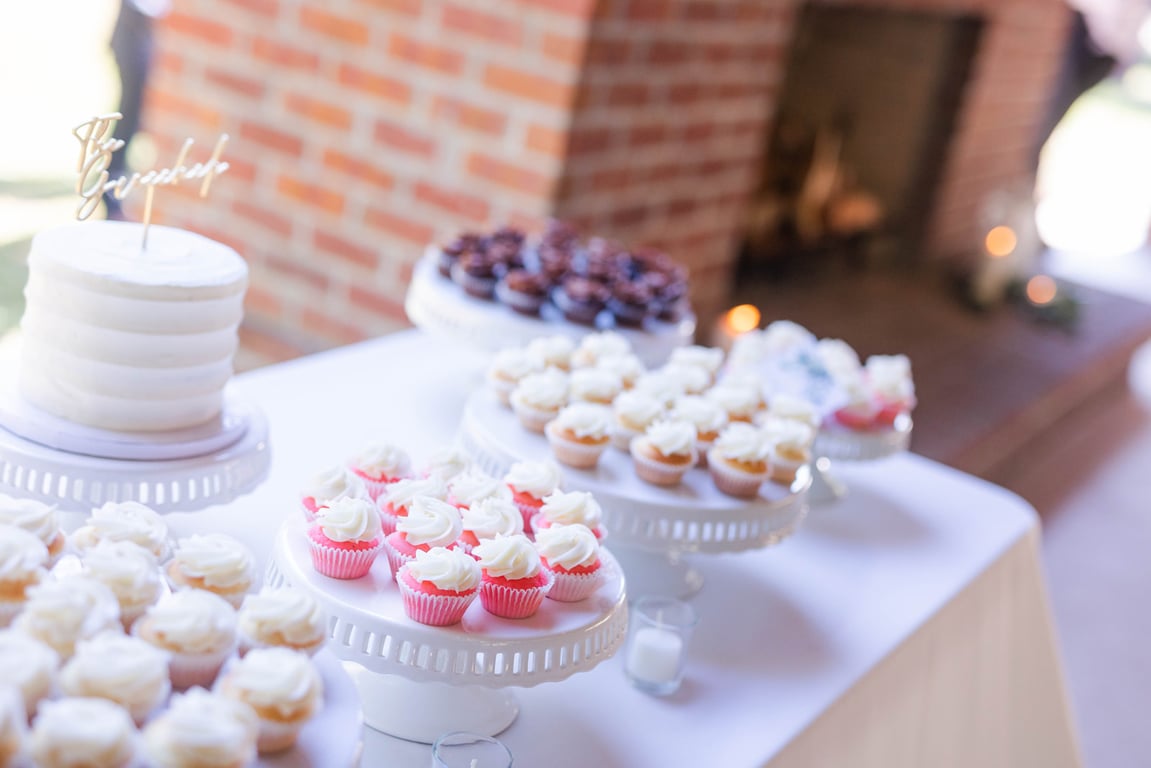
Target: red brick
(388, 88)
(588, 141)
(684, 93)
(648, 10)
(405, 229)
(579, 8)
(528, 85)
(546, 140)
(262, 302)
(206, 30)
(628, 94)
(479, 119)
(358, 168)
(272, 138)
(608, 51)
(645, 135)
(269, 348)
(629, 216)
(284, 55)
(377, 304)
(564, 49)
(311, 195)
(169, 62)
(404, 7)
(324, 325)
(428, 55)
(322, 112)
(341, 28)
(163, 101)
(488, 26)
(239, 168)
(268, 9)
(698, 131)
(456, 203)
(668, 52)
(612, 179)
(508, 175)
(313, 278)
(243, 86)
(397, 137)
(263, 217)
(346, 249)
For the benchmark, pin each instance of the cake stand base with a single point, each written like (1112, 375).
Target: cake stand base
(423, 711)
(825, 486)
(659, 574)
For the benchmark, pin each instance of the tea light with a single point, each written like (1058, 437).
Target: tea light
(654, 656)
(657, 645)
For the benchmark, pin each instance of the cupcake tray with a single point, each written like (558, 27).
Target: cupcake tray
(416, 681)
(836, 443)
(650, 528)
(437, 305)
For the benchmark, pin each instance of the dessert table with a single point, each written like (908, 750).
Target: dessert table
(904, 625)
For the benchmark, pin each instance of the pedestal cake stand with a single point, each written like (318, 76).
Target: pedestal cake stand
(650, 529)
(834, 443)
(416, 681)
(437, 305)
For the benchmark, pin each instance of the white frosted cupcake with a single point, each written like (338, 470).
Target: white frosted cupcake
(632, 412)
(38, 519)
(664, 453)
(130, 571)
(124, 521)
(67, 610)
(378, 465)
(13, 725)
(283, 618)
(29, 665)
(514, 582)
(782, 337)
(23, 561)
(214, 562)
(570, 508)
(393, 503)
(200, 729)
(508, 367)
(571, 553)
(530, 482)
(628, 367)
(660, 386)
(488, 518)
(447, 462)
(694, 379)
(706, 416)
(790, 444)
(580, 433)
(740, 400)
(282, 687)
(739, 460)
(538, 398)
(889, 377)
(792, 407)
(838, 358)
(328, 485)
(594, 346)
(438, 585)
(709, 359)
(472, 486)
(429, 523)
(594, 385)
(196, 628)
(556, 350)
(88, 732)
(120, 668)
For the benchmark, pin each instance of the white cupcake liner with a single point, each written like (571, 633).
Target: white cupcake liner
(732, 481)
(658, 473)
(273, 736)
(573, 587)
(434, 610)
(188, 670)
(783, 471)
(622, 436)
(531, 418)
(572, 452)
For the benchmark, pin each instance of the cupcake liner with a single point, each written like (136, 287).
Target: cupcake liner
(274, 736)
(572, 587)
(539, 522)
(524, 303)
(658, 473)
(502, 388)
(374, 487)
(734, 482)
(702, 449)
(528, 511)
(396, 558)
(388, 518)
(435, 610)
(572, 452)
(247, 643)
(337, 563)
(9, 609)
(533, 419)
(514, 602)
(784, 471)
(309, 507)
(622, 436)
(191, 669)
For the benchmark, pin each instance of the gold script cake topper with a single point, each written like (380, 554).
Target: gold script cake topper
(96, 147)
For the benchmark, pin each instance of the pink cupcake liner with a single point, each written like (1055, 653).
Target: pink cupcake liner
(734, 482)
(572, 587)
(388, 521)
(435, 610)
(396, 559)
(658, 473)
(375, 488)
(528, 511)
(539, 522)
(514, 602)
(336, 563)
(572, 452)
(309, 507)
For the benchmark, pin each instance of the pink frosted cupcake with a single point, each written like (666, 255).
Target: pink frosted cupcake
(538, 397)
(571, 553)
(514, 581)
(579, 434)
(473, 485)
(38, 519)
(889, 378)
(488, 518)
(196, 628)
(327, 486)
(738, 461)
(381, 464)
(530, 482)
(393, 503)
(664, 453)
(446, 463)
(438, 585)
(345, 538)
(429, 523)
(570, 508)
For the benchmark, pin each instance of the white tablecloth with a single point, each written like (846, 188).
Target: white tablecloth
(906, 625)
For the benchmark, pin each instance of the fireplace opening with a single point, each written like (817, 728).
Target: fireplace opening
(860, 138)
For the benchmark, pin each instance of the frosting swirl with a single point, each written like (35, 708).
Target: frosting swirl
(659, 386)
(787, 406)
(200, 728)
(706, 415)
(447, 462)
(693, 378)
(628, 367)
(82, 731)
(513, 363)
(571, 507)
(190, 621)
(335, 483)
(588, 420)
(555, 350)
(535, 478)
(350, 519)
(123, 669)
(471, 486)
(127, 569)
(568, 546)
(509, 557)
(430, 522)
(595, 384)
(22, 555)
(737, 399)
(547, 390)
(449, 569)
(672, 437)
(400, 493)
(29, 664)
(837, 358)
(34, 516)
(782, 336)
(637, 409)
(742, 442)
(382, 461)
(708, 358)
(67, 610)
(890, 377)
(596, 345)
(788, 435)
(492, 516)
(284, 615)
(125, 521)
(279, 680)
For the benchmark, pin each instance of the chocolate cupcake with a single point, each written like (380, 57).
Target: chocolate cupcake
(506, 255)
(669, 293)
(523, 291)
(559, 234)
(630, 302)
(450, 253)
(554, 263)
(580, 299)
(475, 272)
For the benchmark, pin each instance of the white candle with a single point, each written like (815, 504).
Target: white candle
(654, 655)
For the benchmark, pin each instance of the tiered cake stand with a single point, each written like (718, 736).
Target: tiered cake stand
(417, 682)
(834, 443)
(650, 529)
(437, 305)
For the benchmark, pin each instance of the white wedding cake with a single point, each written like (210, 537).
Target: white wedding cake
(125, 339)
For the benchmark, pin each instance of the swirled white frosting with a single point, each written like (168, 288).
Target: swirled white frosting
(277, 679)
(447, 462)
(221, 561)
(491, 517)
(124, 669)
(286, 614)
(383, 460)
(637, 409)
(471, 486)
(788, 435)
(659, 386)
(199, 728)
(671, 437)
(837, 358)
(22, 555)
(596, 345)
(125, 521)
(706, 415)
(741, 441)
(27, 663)
(34, 516)
(747, 351)
(335, 483)
(13, 723)
(555, 350)
(68, 609)
(783, 336)
(127, 569)
(692, 378)
(596, 384)
(450, 569)
(349, 519)
(628, 367)
(536, 478)
(509, 557)
(785, 406)
(586, 420)
(708, 358)
(82, 731)
(513, 363)
(401, 492)
(736, 399)
(190, 621)
(432, 522)
(571, 507)
(547, 390)
(568, 546)
(890, 377)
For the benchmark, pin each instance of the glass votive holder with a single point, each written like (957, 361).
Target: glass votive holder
(657, 643)
(460, 749)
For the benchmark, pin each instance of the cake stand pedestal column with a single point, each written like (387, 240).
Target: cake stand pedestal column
(661, 574)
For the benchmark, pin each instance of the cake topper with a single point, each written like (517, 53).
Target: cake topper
(96, 147)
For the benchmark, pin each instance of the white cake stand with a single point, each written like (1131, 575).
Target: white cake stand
(651, 529)
(836, 443)
(437, 305)
(416, 681)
